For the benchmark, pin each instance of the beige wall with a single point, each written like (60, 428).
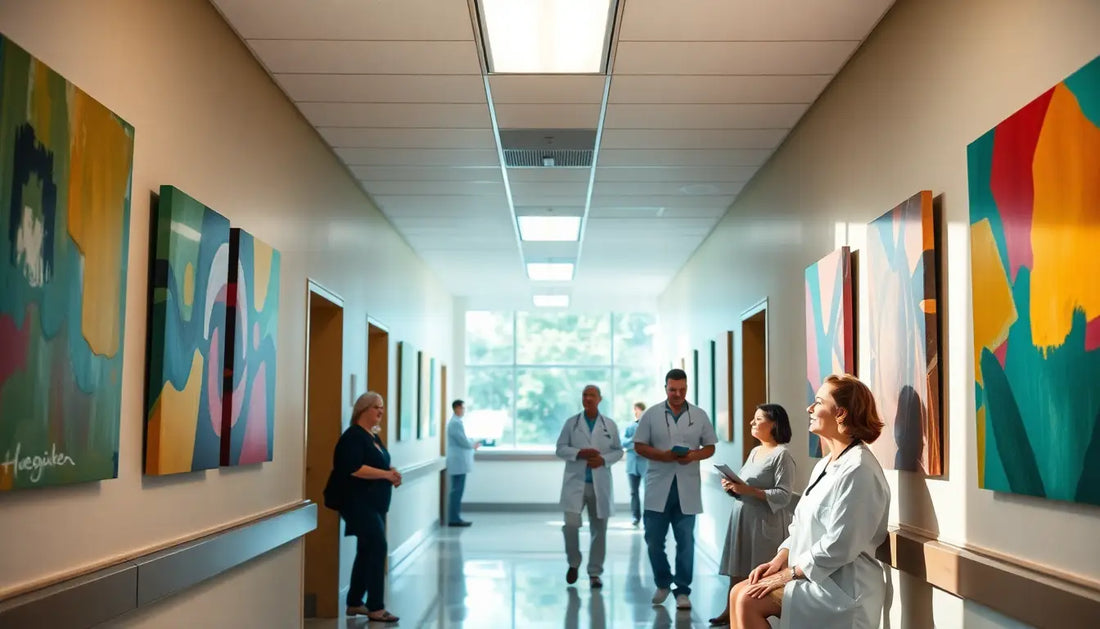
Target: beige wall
(934, 76)
(208, 120)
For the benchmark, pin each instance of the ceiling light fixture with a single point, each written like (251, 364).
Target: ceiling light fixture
(549, 228)
(550, 271)
(546, 36)
(551, 301)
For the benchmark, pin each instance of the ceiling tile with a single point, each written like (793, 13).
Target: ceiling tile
(397, 137)
(756, 116)
(427, 173)
(667, 203)
(448, 188)
(313, 56)
(383, 88)
(633, 88)
(335, 19)
(714, 188)
(751, 57)
(691, 138)
(468, 206)
(542, 89)
(580, 116)
(548, 175)
(675, 174)
(547, 250)
(396, 115)
(750, 20)
(566, 189)
(657, 212)
(684, 157)
(418, 157)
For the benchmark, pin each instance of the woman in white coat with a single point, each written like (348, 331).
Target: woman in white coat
(589, 443)
(825, 574)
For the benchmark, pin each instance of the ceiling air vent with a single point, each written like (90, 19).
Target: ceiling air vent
(548, 148)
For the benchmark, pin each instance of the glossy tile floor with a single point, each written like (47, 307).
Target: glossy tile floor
(507, 571)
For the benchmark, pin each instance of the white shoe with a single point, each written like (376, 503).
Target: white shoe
(682, 601)
(660, 595)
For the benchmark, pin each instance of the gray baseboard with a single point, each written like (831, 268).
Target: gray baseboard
(525, 507)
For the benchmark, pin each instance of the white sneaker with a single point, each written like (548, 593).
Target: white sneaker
(682, 601)
(660, 595)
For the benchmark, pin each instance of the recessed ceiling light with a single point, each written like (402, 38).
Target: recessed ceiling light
(551, 301)
(550, 271)
(549, 228)
(546, 36)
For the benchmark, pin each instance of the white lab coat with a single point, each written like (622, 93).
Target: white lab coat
(460, 449)
(656, 428)
(575, 437)
(836, 530)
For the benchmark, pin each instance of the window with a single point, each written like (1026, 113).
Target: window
(525, 371)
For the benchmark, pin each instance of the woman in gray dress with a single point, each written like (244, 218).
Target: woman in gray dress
(760, 517)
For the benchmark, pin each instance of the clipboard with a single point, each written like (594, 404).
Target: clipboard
(728, 473)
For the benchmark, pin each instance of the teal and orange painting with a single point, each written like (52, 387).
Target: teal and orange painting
(1034, 184)
(65, 174)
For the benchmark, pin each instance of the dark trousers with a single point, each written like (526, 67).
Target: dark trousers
(454, 498)
(635, 500)
(368, 573)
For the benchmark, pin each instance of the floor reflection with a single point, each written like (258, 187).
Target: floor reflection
(508, 571)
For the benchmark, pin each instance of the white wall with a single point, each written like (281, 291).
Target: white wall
(934, 76)
(208, 120)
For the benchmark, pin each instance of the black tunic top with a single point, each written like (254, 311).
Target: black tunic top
(357, 448)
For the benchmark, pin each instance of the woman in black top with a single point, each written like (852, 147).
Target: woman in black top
(364, 464)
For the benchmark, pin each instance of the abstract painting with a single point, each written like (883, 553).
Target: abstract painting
(903, 369)
(434, 403)
(187, 335)
(65, 174)
(1035, 275)
(408, 374)
(830, 325)
(424, 395)
(252, 324)
(723, 366)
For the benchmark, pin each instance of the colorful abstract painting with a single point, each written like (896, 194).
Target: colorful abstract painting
(408, 376)
(252, 325)
(1035, 269)
(830, 325)
(189, 297)
(65, 167)
(903, 369)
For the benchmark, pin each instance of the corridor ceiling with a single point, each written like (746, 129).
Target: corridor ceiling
(698, 96)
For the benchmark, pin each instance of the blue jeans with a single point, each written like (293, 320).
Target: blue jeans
(454, 498)
(683, 529)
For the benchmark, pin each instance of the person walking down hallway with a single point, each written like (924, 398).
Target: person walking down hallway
(674, 436)
(460, 460)
(635, 465)
(589, 443)
(362, 465)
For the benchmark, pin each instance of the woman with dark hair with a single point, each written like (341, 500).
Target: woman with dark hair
(760, 515)
(825, 574)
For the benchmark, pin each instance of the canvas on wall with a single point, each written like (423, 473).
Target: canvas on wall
(1034, 218)
(424, 395)
(252, 324)
(408, 373)
(65, 176)
(435, 403)
(723, 367)
(830, 325)
(903, 369)
(186, 336)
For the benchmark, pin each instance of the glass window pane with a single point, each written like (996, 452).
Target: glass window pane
(634, 333)
(547, 396)
(488, 338)
(563, 339)
(489, 405)
(632, 385)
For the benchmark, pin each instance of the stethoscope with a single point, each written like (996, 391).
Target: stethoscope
(599, 416)
(668, 413)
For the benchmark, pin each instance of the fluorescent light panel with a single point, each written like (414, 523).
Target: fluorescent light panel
(546, 36)
(550, 271)
(549, 228)
(551, 301)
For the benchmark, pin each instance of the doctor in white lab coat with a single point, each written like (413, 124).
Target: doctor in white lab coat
(825, 573)
(589, 443)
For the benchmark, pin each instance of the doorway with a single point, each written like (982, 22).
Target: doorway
(378, 369)
(754, 369)
(324, 424)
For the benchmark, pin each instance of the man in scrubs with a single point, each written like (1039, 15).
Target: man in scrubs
(674, 436)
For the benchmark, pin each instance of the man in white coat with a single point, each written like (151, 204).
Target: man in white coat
(674, 436)
(460, 460)
(589, 443)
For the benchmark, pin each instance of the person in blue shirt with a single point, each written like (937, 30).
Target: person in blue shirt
(635, 465)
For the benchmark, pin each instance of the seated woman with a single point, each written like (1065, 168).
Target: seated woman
(759, 520)
(825, 574)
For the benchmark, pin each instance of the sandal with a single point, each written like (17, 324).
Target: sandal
(382, 616)
(595, 582)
